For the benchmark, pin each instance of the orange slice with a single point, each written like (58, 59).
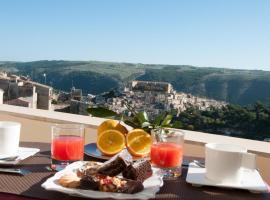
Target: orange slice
(110, 142)
(139, 142)
(111, 124)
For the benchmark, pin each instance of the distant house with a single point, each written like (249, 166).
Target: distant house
(23, 102)
(19, 90)
(44, 95)
(152, 86)
(79, 107)
(76, 94)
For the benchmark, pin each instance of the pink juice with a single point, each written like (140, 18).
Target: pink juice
(166, 154)
(67, 148)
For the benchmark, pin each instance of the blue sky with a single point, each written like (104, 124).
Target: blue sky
(218, 33)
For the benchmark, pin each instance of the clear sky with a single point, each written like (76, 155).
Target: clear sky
(218, 33)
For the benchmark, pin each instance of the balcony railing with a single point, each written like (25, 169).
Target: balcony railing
(36, 127)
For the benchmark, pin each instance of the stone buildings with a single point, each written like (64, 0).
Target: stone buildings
(21, 91)
(157, 97)
(152, 97)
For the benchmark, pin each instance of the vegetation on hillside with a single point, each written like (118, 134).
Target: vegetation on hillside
(234, 86)
(252, 122)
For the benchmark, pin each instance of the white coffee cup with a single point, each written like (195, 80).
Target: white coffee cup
(9, 138)
(227, 163)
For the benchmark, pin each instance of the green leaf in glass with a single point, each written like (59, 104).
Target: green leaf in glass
(167, 120)
(145, 124)
(158, 120)
(142, 117)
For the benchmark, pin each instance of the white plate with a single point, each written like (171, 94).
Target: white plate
(151, 186)
(253, 181)
(23, 153)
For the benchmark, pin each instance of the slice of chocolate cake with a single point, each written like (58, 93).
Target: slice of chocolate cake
(131, 187)
(138, 171)
(105, 183)
(116, 164)
(89, 182)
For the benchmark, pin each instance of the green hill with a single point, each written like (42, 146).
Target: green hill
(235, 86)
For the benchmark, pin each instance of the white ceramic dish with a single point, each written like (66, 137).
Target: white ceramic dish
(23, 153)
(252, 182)
(151, 186)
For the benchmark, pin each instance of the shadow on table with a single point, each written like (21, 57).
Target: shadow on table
(36, 191)
(45, 153)
(37, 168)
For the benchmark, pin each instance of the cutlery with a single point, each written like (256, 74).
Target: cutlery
(199, 163)
(185, 163)
(10, 158)
(15, 171)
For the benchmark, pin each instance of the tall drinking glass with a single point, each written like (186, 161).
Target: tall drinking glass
(67, 145)
(167, 152)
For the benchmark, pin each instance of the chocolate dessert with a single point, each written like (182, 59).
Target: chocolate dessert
(138, 171)
(102, 177)
(110, 184)
(89, 183)
(131, 187)
(116, 164)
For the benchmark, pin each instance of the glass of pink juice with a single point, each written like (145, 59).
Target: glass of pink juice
(167, 152)
(67, 145)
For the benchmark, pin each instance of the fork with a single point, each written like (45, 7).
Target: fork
(11, 158)
(199, 163)
(22, 172)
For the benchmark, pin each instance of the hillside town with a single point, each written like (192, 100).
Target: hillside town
(157, 97)
(153, 97)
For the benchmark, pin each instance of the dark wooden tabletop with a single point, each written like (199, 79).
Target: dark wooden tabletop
(28, 187)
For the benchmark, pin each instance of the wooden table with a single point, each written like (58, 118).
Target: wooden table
(28, 187)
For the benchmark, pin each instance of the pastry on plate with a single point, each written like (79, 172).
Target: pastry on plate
(70, 180)
(88, 168)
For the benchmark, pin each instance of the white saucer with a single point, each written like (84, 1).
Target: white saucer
(253, 180)
(23, 153)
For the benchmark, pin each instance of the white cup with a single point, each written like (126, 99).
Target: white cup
(227, 163)
(9, 138)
